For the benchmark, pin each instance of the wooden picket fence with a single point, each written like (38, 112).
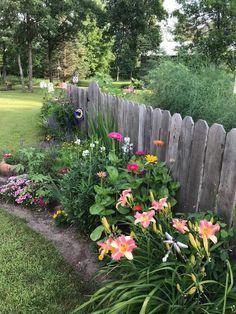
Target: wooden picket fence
(201, 158)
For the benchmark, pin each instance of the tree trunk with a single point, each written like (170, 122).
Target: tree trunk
(30, 66)
(4, 65)
(21, 72)
(117, 74)
(50, 74)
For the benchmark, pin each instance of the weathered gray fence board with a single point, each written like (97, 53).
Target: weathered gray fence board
(183, 160)
(120, 118)
(164, 135)
(202, 160)
(196, 165)
(134, 126)
(156, 128)
(142, 115)
(175, 129)
(147, 129)
(226, 200)
(212, 167)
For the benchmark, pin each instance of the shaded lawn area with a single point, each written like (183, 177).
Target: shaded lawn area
(19, 118)
(34, 278)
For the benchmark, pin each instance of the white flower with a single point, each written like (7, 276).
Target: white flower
(176, 244)
(92, 145)
(102, 149)
(96, 142)
(85, 153)
(127, 140)
(43, 84)
(78, 141)
(50, 88)
(164, 259)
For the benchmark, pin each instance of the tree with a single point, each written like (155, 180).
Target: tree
(208, 26)
(134, 25)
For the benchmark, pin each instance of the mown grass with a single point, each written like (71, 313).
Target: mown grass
(19, 118)
(34, 278)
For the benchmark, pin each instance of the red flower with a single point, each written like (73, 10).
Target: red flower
(133, 167)
(158, 142)
(140, 153)
(39, 201)
(137, 207)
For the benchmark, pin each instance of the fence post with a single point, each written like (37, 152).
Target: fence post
(94, 96)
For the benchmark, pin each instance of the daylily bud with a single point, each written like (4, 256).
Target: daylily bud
(194, 279)
(151, 196)
(192, 290)
(106, 224)
(179, 288)
(193, 259)
(193, 241)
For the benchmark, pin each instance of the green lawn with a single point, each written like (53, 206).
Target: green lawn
(34, 278)
(19, 118)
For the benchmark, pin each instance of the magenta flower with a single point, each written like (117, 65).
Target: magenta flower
(158, 205)
(123, 246)
(145, 218)
(133, 167)
(140, 153)
(124, 197)
(115, 136)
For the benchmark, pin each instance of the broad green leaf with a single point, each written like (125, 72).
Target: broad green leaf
(107, 212)
(96, 234)
(113, 173)
(96, 209)
(123, 210)
(113, 157)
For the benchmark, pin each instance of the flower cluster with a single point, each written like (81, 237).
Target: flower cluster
(127, 146)
(39, 201)
(17, 188)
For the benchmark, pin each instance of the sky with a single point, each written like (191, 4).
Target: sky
(168, 44)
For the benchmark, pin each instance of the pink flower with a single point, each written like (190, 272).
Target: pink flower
(105, 247)
(140, 153)
(63, 85)
(158, 205)
(101, 174)
(126, 194)
(7, 155)
(180, 225)
(123, 246)
(133, 167)
(145, 218)
(116, 136)
(207, 230)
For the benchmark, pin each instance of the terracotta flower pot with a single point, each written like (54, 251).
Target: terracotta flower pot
(6, 169)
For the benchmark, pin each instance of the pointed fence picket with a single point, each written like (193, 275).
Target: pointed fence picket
(202, 159)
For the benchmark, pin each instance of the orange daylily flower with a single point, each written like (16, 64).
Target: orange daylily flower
(158, 142)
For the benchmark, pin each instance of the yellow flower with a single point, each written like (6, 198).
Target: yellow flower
(151, 159)
(194, 279)
(54, 216)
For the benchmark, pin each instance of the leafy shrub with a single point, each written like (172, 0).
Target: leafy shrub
(58, 120)
(204, 92)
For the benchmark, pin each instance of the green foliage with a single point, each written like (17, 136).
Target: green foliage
(208, 26)
(205, 92)
(76, 187)
(150, 181)
(58, 120)
(99, 127)
(194, 278)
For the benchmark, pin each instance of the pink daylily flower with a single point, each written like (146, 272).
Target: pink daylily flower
(180, 225)
(116, 136)
(145, 218)
(123, 246)
(207, 230)
(126, 194)
(158, 205)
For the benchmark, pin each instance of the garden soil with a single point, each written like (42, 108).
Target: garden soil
(75, 249)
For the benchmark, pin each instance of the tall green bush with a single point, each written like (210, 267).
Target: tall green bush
(203, 92)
